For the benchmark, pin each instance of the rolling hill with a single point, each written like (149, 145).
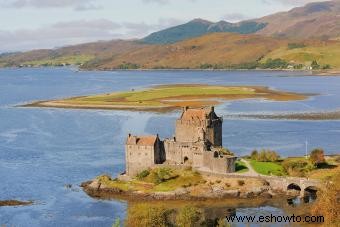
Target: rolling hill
(217, 49)
(296, 38)
(74, 55)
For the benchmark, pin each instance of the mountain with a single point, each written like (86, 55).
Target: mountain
(314, 20)
(199, 27)
(220, 49)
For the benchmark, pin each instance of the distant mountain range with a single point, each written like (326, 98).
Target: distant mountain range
(199, 27)
(299, 38)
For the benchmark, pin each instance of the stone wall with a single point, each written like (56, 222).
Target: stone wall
(219, 164)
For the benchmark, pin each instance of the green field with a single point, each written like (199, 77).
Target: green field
(267, 168)
(170, 97)
(59, 61)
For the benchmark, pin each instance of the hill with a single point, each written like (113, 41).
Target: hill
(199, 27)
(70, 55)
(318, 19)
(218, 50)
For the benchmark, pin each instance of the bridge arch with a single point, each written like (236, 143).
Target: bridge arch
(293, 186)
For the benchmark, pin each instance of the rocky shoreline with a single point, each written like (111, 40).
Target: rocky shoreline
(15, 203)
(96, 190)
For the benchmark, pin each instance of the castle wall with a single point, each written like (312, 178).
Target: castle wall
(138, 158)
(214, 133)
(188, 131)
(184, 153)
(218, 164)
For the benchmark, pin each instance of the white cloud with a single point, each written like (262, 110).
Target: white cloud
(75, 32)
(76, 4)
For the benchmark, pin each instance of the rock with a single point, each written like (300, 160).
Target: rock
(94, 184)
(231, 193)
(266, 195)
(15, 203)
(181, 191)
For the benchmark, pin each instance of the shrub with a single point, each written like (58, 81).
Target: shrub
(188, 216)
(146, 215)
(240, 182)
(315, 65)
(317, 157)
(227, 185)
(265, 156)
(163, 174)
(328, 202)
(143, 174)
(295, 45)
(297, 167)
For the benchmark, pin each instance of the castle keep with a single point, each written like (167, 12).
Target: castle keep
(197, 143)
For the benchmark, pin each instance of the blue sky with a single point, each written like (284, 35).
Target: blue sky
(31, 24)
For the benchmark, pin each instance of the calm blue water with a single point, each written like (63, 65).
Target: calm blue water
(41, 150)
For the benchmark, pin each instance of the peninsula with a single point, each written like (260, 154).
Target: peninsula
(169, 97)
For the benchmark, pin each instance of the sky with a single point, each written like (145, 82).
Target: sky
(37, 24)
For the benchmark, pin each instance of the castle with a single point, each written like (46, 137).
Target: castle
(197, 143)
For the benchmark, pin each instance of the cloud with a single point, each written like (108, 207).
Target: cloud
(234, 17)
(292, 2)
(75, 4)
(75, 32)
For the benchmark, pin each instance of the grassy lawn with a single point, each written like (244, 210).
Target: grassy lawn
(241, 167)
(173, 96)
(267, 168)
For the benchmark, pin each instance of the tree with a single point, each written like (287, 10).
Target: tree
(315, 65)
(317, 157)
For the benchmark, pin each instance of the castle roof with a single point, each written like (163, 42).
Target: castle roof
(141, 140)
(192, 114)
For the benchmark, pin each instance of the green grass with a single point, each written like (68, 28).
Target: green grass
(70, 60)
(267, 168)
(151, 183)
(172, 96)
(241, 167)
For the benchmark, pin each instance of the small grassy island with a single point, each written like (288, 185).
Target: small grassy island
(169, 97)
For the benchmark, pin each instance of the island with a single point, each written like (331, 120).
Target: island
(169, 97)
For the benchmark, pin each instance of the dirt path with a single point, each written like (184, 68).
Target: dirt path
(251, 171)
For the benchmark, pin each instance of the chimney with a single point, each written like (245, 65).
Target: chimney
(129, 135)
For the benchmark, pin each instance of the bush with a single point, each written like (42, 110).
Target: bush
(298, 167)
(265, 156)
(143, 174)
(277, 63)
(240, 182)
(163, 174)
(295, 45)
(188, 216)
(146, 215)
(315, 65)
(317, 157)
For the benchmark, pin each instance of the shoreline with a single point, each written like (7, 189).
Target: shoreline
(96, 190)
(331, 72)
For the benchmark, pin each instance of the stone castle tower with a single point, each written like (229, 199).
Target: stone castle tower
(197, 143)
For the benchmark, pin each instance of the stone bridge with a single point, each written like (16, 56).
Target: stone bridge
(293, 183)
(284, 184)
